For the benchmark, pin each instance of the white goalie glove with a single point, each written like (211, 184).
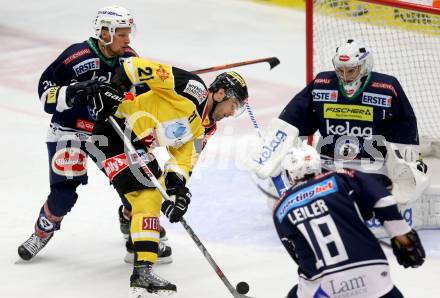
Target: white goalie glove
(406, 172)
(265, 157)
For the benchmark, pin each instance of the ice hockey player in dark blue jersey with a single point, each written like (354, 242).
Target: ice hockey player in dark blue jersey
(68, 89)
(362, 116)
(321, 222)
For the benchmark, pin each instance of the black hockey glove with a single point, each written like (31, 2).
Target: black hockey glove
(106, 102)
(180, 197)
(412, 255)
(81, 94)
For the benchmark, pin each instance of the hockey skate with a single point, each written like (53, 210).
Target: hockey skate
(163, 255)
(124, 225)
(32, 246)
(144, 283)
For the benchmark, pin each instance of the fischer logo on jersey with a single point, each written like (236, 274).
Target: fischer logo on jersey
(268, 149)
(374, 99)
(349, 112)
(325, 95)
(348, 130)
(305, 196)
(86, 65)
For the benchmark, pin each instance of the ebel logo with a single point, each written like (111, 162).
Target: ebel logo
(349, 130)
(348, 112)
(374, 99)
(325, 95)
(86, 65)
(269, 148)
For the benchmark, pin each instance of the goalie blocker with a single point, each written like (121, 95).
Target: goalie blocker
(277, 139)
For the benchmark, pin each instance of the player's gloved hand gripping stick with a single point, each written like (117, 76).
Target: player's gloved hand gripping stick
(242, 287)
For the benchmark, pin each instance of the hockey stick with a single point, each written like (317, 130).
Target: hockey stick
(132, 152)
(273, 62)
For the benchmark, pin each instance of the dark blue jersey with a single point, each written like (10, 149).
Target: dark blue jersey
(321, 222)
(379, 108)
(79, 62)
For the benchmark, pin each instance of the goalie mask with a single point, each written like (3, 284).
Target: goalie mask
(353, 64)
(111, 18)
(301, 162)
(234, 86)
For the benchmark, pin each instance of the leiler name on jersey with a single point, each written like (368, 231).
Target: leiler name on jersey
(304, 197)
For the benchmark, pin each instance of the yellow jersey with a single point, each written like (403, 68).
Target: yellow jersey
(173, 111)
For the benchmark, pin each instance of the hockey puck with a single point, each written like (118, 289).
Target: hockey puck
(242, 287)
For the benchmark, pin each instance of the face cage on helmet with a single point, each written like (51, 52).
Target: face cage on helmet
(240, 104)
(112, 30)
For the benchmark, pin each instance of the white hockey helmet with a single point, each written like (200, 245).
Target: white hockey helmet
(112, 17)
(352, 62)
(300, 162)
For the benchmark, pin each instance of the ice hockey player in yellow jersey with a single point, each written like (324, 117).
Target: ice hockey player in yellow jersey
(173, 108)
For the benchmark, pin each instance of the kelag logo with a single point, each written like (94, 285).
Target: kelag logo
(269, 148)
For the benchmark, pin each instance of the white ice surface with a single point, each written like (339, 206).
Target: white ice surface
(85, 258)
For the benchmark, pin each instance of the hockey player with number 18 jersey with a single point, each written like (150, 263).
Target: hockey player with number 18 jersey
(321, 222)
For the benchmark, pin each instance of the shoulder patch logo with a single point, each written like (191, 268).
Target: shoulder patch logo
(197, 90)
(86, 65)
(325, 95)
(378, 100)
(76, 55)
(162, 73)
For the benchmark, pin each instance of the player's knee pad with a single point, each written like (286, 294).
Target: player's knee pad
(145, 201)
(124, 172)
(62, 197)
(47, 222)
(132, 178)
